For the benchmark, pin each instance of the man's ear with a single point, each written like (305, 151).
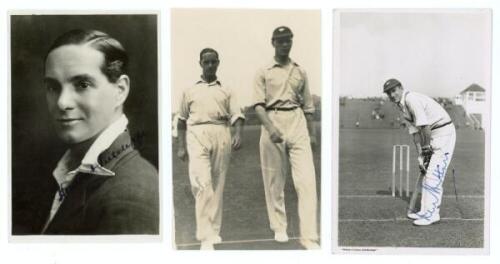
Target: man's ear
(123, 87)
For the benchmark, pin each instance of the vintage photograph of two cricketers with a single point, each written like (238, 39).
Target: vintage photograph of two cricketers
(414, 101)
(246, 110)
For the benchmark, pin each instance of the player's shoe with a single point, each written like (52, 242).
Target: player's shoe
(309, 244)
(281, 237)
(207, 245)
(426, 221)
(413, 216)
(217, 240)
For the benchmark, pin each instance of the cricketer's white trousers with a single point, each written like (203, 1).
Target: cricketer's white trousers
(443, 143)
(275, 159)
(209, 149)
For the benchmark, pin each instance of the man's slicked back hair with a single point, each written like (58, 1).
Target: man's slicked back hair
(115, 56)
(208, 50)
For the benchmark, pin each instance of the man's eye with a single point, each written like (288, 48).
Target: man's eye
(51, 87)
(209, 62)
(83, 85)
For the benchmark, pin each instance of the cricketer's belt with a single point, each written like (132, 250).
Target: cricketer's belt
(442, 125)
(281, 108)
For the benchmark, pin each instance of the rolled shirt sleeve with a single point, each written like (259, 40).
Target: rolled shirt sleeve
(235, 108)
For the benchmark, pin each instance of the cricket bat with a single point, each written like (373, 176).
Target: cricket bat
(416, 192)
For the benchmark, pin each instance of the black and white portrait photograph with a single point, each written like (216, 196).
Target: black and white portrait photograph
(414, 99)
(246, 111)
(84, 124)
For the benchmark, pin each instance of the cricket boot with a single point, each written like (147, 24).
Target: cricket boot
(281, 236)
(207, 245)
(309, 244)
(414, 216)
(427, 221)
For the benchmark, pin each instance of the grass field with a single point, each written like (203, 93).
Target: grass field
(245, 224)
(370, 217)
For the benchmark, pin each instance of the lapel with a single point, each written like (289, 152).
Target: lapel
(67, 217)
(70, 216)
(44, 202)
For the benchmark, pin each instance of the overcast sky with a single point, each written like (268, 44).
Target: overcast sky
(438, 54)
(243, 40)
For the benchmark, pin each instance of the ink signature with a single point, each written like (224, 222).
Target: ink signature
(62, 193)
(136, 142)
(116, 153)
(435, 190)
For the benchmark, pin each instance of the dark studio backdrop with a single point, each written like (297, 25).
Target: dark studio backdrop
(35, 147)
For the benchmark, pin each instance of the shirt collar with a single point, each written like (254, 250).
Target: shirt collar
(273, 63)
(90, 163)
(216, 82)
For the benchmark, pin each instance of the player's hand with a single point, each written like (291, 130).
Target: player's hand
(182, 153)
(276, 136)
(421, 166)
(427, 152)
(236, 142)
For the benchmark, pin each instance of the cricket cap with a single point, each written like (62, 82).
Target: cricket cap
(281, 32)
(391, 83)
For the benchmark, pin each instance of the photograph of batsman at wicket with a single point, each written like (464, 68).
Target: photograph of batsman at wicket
(246, 124)
(414, 104)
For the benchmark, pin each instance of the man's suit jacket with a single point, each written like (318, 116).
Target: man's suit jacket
(126, 203)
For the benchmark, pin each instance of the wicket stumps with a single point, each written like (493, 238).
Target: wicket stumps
(400, 150)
